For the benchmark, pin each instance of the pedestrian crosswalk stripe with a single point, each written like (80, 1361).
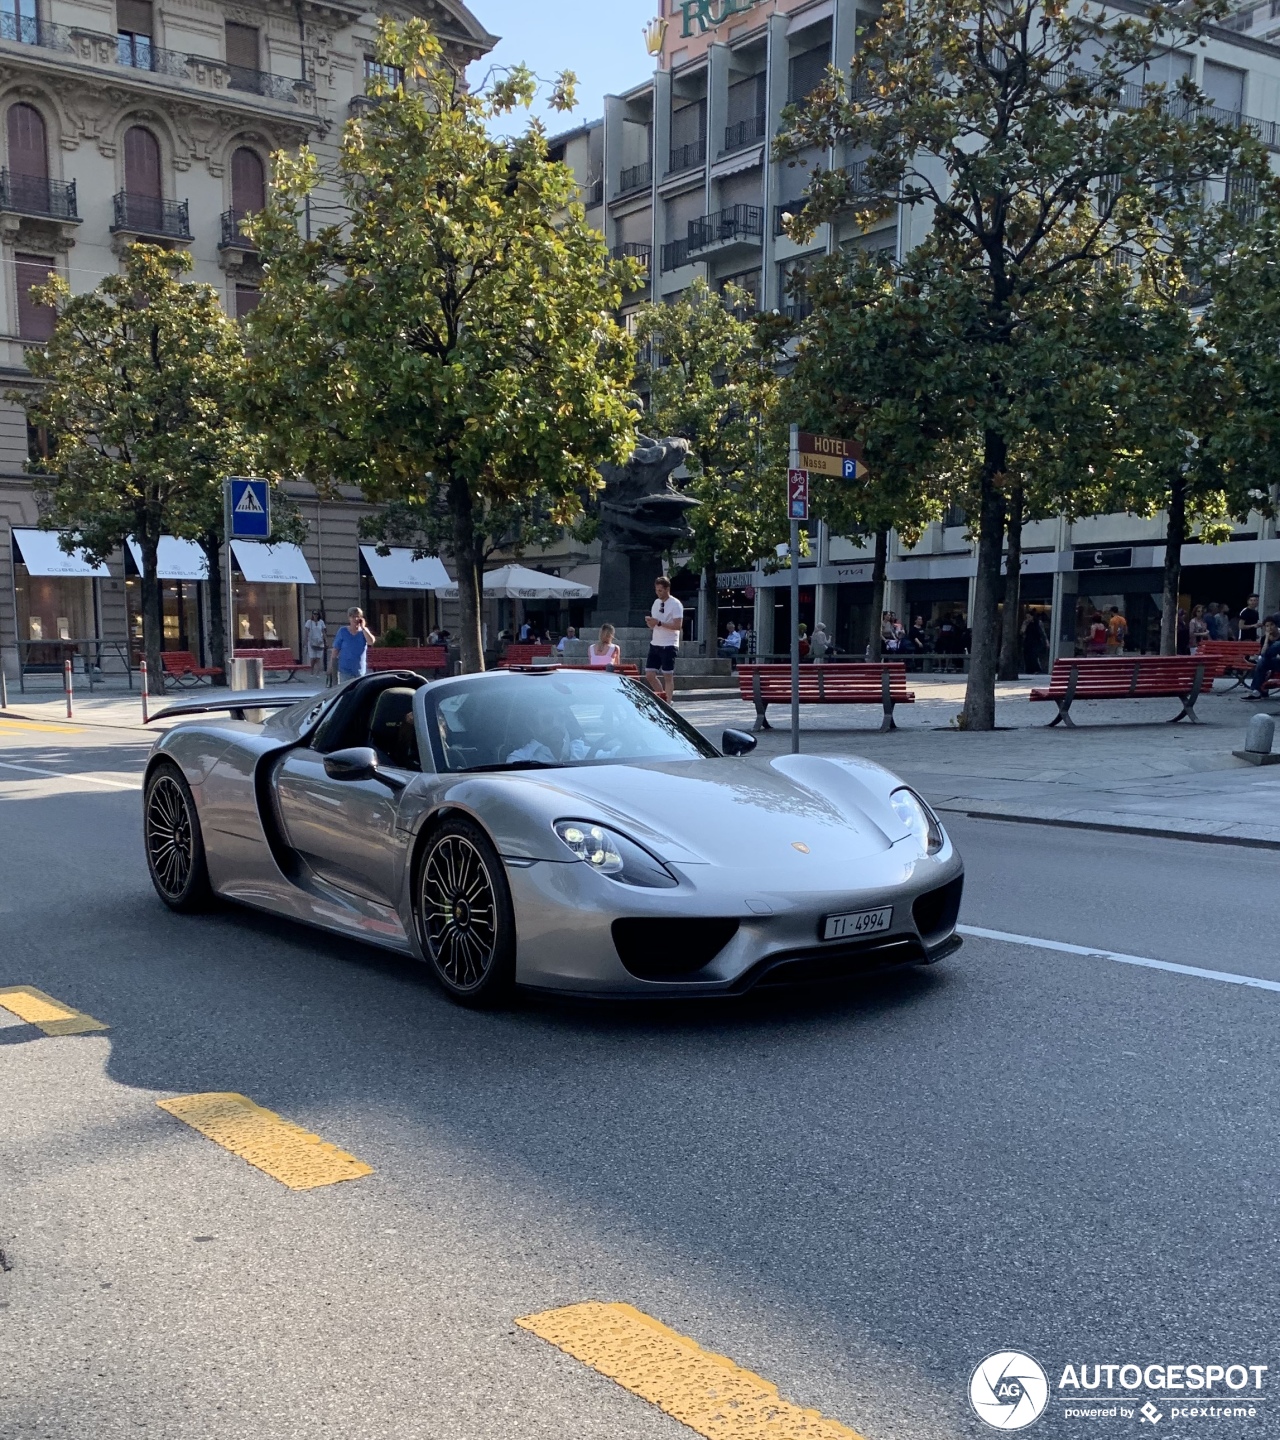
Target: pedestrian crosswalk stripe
(48, 1014)
(707, 1392)
(275, 1146)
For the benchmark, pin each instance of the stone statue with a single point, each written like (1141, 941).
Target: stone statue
(642, 516)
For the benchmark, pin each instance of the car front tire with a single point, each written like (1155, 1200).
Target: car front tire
(173, 841)
(462, 907)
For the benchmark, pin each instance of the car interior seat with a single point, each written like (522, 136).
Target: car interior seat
(391, 729)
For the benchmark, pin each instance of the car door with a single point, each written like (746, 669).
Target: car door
(346, 830)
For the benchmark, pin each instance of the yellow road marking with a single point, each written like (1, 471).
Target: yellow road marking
(52, 1016)
(707, 1392)
(63, 729)
(278, 1147)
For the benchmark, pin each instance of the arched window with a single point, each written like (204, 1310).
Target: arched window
(142, 163)
(28, 149)
(248, 182)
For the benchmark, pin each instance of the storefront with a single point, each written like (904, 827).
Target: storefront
(266, 595)
(182, 569)
(55, 602)
(397, 593)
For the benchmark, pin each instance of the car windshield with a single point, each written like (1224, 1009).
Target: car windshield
(532, 721)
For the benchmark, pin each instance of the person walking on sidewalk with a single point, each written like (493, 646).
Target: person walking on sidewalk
(316, 633)
(350, 645)
(665, 620)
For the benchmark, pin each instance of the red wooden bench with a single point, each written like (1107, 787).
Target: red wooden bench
(407, 657)
(1235, 658)
(1128, 677)
(180, 666)
(829, 684)
(277, 658)
(516, 654)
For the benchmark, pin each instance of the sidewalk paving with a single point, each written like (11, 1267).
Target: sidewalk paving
(1124, 767)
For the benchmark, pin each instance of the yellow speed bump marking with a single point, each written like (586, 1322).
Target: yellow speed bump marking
(276, 1146)
(52, 1016)
(707, 1392)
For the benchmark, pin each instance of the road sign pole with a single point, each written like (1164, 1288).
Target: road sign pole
(228, 640)
(795, 606)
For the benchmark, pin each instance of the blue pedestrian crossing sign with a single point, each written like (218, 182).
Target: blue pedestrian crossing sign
(248, 509)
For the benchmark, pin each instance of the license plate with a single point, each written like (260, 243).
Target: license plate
(859, 922)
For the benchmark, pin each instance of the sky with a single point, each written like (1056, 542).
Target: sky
(600, 40)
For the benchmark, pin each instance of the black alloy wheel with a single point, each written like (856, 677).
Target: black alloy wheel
(465, 920)
(175, 847)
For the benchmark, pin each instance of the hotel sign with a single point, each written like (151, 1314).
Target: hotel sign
(708, 14)
(825, 455)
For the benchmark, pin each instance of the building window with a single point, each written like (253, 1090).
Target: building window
(390, 75)
(242, 56)
(248, 182)
(19, 21)
(35, 322)
(135, 30)
(142, 163)
(808, 71)
(40, 446)
(247, 297)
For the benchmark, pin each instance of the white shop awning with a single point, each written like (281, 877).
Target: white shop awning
(175, 559)
(282, 564)
(400, 571)
(43, 557)
(518, 582)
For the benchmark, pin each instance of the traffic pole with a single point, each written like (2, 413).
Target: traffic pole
(67, 685)
(4, 691)
(143, 671)
(795, 605)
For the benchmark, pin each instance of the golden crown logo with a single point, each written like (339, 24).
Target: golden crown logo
(655, 34)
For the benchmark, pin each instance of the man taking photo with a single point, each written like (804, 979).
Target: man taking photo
(665, 620)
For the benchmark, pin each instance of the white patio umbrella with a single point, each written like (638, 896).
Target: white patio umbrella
(518, 582)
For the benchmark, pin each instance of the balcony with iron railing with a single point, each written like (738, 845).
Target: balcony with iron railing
(685, 157)
(39, 196)
(633, 250)
(147, 215)
(733, 225)
(635, 177)
(744, 133)
(675, 254)
(233, 237)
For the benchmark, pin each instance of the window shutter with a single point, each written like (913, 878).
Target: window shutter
(28, 153)
(142, 163)
(35, 322)
(134, 17)
(248, 182)
(247, 297)
(242, 46)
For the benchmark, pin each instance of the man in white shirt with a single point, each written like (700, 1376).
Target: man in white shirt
(665, 620)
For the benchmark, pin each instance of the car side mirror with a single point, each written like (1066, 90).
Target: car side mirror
(737, 742)
(358, 762)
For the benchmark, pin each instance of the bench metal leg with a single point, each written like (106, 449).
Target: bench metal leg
(886, 699)
(1189, 701)
(1063, 716)
(762, 720)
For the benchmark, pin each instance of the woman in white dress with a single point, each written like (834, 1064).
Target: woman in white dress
(603, 653)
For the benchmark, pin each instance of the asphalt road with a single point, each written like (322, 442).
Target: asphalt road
(858, 1194)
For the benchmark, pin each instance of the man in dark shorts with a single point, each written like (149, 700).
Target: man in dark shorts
(665, 620)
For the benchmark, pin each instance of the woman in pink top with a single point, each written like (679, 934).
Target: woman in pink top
(604, 652)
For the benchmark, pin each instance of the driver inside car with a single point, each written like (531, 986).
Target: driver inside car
(549, 742)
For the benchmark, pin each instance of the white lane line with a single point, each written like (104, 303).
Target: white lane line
(63, 775)
(1225, 976)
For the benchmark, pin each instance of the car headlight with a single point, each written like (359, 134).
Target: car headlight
(919, 819)
(614, 855)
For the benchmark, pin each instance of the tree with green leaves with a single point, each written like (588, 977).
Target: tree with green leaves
(1038, 137)
(712, 379)
(450, 344)
(135, 386)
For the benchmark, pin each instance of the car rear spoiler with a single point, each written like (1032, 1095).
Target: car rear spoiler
(277, 698)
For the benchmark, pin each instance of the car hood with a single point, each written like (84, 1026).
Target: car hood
(770, 814)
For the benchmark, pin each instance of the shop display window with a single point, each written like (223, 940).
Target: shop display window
(53, 608)
(266, 616)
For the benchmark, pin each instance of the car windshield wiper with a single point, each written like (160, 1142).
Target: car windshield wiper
(515, 765)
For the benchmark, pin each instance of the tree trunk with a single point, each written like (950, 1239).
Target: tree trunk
(152, 613)
(1174, 538)
(212, 548)
(711, 620)
(877, 595)
(979, 711)
(470, 565)
(1011, 631)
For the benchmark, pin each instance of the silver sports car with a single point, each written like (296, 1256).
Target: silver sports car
(557, 829)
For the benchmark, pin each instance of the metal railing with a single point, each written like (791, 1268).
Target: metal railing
(635, 177)
(148, 215)
(27, 30)
(38, 195)
(593, 194)
(233, 238)
(95, 658)
(258, 82)
(675, 254)
(744, 133)
(685, 157)
(798, 310)
(737, 222)
(633, 250)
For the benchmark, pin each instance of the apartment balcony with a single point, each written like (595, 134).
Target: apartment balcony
(675, 254)
(798, 310)
(593, 194)
(736, 225)
(685, 157)
(635, 177)
(37, 196)
(744, 133)
(145, 217)
(633, 250)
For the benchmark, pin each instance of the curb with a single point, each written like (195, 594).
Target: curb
(1248, 842)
